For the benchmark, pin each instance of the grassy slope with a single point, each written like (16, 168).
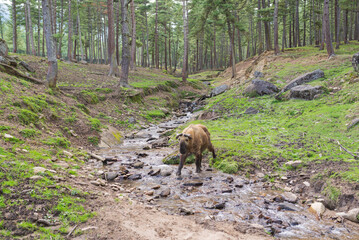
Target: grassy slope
(44, 123)
(293, 129)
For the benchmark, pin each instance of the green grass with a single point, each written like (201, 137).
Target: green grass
(26, 117)
(30, 133)
(58, 142)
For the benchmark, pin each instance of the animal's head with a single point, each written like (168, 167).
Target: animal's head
(184, 140)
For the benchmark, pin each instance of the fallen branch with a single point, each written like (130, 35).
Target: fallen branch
(12, 71)
(97, 157)
(72, 230)
(355, 156)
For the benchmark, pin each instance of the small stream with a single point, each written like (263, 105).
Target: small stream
(210, 194)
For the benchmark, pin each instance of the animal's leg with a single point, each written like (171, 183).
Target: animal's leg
(182, 161)
(198, 162)
(211, 149)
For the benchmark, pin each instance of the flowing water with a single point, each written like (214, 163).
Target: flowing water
(210, 194)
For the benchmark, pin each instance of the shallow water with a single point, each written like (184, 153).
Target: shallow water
(212, 194)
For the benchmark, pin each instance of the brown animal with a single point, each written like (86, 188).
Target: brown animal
(194, 140)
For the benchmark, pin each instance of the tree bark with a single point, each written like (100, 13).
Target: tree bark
(111, 41)
(117, 15)
(14, 27)
(133, 44)
(275, 20)
(27, 41)
(125, 46)
(50, 46)
(214, 47)
(259, 29)
(69, 43)
(231, 40)
(326, 23)
(304, 22)
(156, 37)
(169, 47)
(185, 40)
(32, 43)
(266, 30)
(59, 54)
(165, 46)
(346, 27)
(284, 37)
(297, 30)
(337, 24)
(79, 29)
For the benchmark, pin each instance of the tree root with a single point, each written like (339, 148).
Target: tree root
(12, 71)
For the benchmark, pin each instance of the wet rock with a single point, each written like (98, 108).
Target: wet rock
(110, 137)
(39, 170)
(149, 193)
(288, 207)
(317, 208)
(193, 184)
(185, 211)
(260, 175)
(146, 148)
(135, 177)
(293, 164)
(218, 206)
(154, 172)
(260, 87)
(305, 92)
(99, 173)
(109, 176)
(165, 170)
(156, 187)
(352, 215)
(160, 143)
(165, 193)
(290, 197)
(228, 190)
(239, 185)
(219, 90)
(138, 165)
(278, 198)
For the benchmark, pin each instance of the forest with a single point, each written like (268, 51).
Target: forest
(165, 34)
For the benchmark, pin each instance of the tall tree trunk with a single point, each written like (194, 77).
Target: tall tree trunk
(275, 20)
(14, 26)
(33, 50)
(337, 24)
(79, 27)
(69, 43)
(156, 37)
(53, 21)
(50, 46)
(214, 47)
(117, 17)
(231, 40)
(27, 42)
(75, 42)
(297, 30)
(346, 27)
(323, 35)
(147, 39)
(38, 27)
(266, 30)
(284, 37)
(259, 29)
(59, 52)
(133, 44)
(111, 41)
(304, 22)
(169, 47)
(185, 41)
(165, 26)
(125, 46)
(326, 23)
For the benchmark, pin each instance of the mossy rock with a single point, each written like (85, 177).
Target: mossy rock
(174, 158)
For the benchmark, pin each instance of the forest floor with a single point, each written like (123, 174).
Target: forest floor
(46, 190)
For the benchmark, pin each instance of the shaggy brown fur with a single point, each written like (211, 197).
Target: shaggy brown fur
(194, 140)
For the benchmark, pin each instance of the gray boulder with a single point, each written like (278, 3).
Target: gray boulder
(306, 92)
(258, 74)
(260, 87)
(355, 62)
(4, 50)
(352, 215)
(219, 90)
(305, 78)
